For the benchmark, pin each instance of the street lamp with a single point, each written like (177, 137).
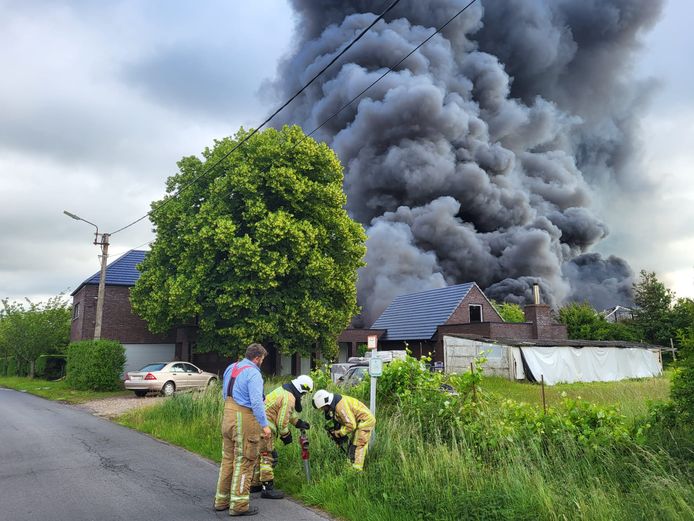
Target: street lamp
(103, 242)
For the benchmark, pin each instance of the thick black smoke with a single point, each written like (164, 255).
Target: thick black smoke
(478, 158)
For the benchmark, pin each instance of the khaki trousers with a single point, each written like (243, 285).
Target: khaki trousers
(240, 446)
(361, 442)
(264, 470)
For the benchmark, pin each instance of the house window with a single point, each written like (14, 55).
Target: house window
(76, 311)
(475, 313)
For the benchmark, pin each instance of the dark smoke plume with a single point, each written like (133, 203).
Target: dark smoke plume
(478, 159)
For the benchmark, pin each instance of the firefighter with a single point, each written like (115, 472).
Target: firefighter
(355, 420)
(244, 424)
(280, 407)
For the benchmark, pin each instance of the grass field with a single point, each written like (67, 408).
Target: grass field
(410, 476)
(631, 397)
(55, 389)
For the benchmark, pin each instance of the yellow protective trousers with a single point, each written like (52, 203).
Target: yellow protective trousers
(240, 445)
(264, 470)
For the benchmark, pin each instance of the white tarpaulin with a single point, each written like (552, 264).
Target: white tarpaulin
(590, 364)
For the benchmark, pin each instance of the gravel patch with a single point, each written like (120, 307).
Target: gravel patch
(112, 407)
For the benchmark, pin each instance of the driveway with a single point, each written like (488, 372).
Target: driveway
(60, 463)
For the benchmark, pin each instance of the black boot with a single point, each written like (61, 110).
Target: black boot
(270, 492)
(256, 488)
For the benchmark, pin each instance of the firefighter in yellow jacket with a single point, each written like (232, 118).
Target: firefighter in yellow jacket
(355, 419)
(280, 407)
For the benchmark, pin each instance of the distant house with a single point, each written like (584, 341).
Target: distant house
(141, 346)
(458, 323)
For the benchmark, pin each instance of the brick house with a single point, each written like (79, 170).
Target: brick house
(457, 324)
(142, 346)
(119, 322)
(423, 319)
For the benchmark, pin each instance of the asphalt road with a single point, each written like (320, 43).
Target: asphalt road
(60, 463)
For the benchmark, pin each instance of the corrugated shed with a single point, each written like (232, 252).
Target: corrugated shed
(417, 315)
(121, 272)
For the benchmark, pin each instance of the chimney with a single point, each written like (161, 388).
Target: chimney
(540, 316)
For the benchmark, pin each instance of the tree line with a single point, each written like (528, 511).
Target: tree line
(29, 330)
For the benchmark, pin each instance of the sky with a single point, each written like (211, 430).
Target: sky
(98, 101)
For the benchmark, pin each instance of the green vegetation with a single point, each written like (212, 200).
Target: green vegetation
(30, 330)
(474, 455)
(583, 322)
(55, 389)
(509, 311)
(259, 249)
(95, 365)
(631, 397)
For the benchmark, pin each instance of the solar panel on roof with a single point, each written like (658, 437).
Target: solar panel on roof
(417, 315)
(121, 272)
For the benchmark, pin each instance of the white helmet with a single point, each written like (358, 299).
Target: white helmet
(303, 384)
(322, 398)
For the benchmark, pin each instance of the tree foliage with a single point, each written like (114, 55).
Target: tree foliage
(28, 331)
(509, 311)
(583, 322)
(259, 249)
(653, 309)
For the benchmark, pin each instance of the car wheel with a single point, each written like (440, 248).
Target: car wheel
(211, 382)
(168, 388)
(140, 393)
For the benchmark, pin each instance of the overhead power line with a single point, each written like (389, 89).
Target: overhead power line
(282, 107)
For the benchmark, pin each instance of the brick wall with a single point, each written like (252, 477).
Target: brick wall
(118, 321)
(475, 296)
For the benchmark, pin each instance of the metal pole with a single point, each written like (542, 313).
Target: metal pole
(102, 285)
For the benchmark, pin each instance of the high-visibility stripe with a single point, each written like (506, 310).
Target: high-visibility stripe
(238, 460)
(282, 419)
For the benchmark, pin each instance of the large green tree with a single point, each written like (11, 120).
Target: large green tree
(653, 309)
(28, 331)
(258, 248)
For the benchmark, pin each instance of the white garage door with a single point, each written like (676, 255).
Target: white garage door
(139, 355)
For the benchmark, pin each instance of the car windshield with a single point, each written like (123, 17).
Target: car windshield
(152, 367)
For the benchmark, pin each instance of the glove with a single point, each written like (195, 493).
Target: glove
(302, 425)
(275, 458)
(287, 438)
(339, 438)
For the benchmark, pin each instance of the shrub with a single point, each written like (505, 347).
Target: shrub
(95, 365)
(13, 367)
(51, 367)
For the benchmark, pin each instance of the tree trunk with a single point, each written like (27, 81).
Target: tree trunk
(32, 363)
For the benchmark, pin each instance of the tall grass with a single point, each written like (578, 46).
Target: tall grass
(410, 476)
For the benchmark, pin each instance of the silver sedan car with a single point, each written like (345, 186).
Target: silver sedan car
(167, 377)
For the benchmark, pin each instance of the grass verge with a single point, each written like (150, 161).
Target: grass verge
(410, 476)
(631, 397)
(55, 389)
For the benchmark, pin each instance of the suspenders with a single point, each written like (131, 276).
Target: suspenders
(235, 371)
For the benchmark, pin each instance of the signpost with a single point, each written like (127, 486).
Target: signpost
(375, 370)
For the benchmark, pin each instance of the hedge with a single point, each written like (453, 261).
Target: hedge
(95, 365)
(50, 367)
(11, 367)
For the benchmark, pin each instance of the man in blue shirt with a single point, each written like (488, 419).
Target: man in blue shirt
(243, 423)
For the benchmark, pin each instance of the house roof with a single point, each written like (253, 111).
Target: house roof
(121, 272)
(417, 315)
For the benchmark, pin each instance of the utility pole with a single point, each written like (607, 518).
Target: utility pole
(102, 282)
(103, 242)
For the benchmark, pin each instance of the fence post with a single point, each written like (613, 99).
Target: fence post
(544, 403)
